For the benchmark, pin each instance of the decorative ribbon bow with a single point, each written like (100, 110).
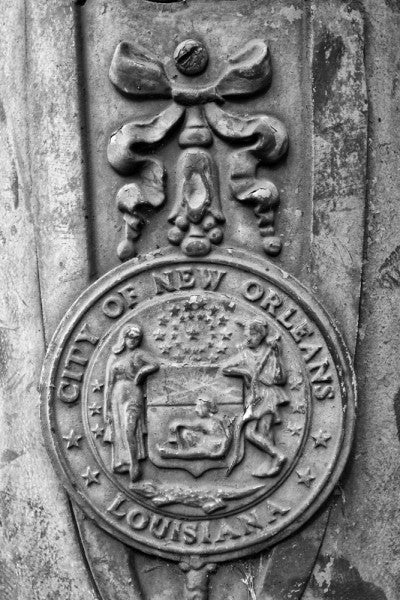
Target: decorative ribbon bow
(137, 74)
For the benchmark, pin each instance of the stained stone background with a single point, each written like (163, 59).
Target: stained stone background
(336, 86)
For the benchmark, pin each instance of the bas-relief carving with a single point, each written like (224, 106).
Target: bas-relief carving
(197, 217)
(191, 376)
(126, 371)
(199, 409)
(260, 365)
(205, 431)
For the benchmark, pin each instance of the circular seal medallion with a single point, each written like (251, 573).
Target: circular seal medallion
(198, 407)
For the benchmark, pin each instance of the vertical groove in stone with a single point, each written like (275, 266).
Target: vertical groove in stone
(56, 158)
(340, 138)
(340, 160)
(359, 558)
(310, 46)
(80, 44)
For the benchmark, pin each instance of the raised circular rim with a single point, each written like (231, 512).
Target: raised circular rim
(234, 259)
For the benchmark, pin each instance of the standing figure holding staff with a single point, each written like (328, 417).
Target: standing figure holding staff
(260, 365)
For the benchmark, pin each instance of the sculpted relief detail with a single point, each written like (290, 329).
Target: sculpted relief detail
(206, 419)
(260, 365)
(127, 369)
(198, 402)
(212, 408)
(197, 113)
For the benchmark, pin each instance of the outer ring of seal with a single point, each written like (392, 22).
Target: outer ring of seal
(234, 259)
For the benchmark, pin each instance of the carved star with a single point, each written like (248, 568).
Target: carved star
(193, 335)
(208, 319)
(223, 320)
(210, 344)
(165, 350)
(305, 477)
(159, 335)
(230, 306)
(72, 439)
(182, 318)
(97, 386)
(294, 429)
(295, 383)
(174, 335)
(175, 310)
(190, 316)
(195, 303)
(98, 431)
(90, 476)
(163, 320)
(222, 350)
(321, 439)
(227, 336)
(95, 409)
(300, 407)
(214, 309)
(200, 316)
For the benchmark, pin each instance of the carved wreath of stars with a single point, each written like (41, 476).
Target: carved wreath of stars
(195, 330)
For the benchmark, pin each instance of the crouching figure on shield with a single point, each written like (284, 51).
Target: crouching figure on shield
(127, 369)
(260, 365)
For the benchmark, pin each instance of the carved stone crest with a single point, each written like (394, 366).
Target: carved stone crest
(197, 418)
(197, 402)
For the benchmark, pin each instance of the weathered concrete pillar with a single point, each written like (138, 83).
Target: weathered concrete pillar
(240, 158)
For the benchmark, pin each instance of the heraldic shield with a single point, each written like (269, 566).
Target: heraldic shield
(191, 416)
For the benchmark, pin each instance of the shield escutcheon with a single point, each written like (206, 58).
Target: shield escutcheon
(191, 416)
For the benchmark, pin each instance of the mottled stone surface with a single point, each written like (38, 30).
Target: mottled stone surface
(339, 216)
(360, 555)
(43, 266)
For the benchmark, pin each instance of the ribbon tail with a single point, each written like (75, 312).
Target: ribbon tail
(128, 153)
(267, 142)
(139, 137)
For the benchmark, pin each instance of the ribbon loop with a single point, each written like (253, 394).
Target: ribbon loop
(136, 73)
(249, 71)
